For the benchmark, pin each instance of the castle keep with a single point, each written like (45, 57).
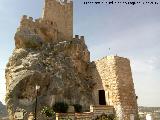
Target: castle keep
(47, 54)
(61, 14)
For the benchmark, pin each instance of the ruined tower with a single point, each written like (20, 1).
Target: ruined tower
(60, 12)
(113, 76)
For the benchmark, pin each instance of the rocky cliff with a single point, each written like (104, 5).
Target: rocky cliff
(60, 69)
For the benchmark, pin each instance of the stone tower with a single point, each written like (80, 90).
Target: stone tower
(60, 12)
(113, 75)
(55, 25)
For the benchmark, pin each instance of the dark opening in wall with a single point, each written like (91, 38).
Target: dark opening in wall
(102, 100)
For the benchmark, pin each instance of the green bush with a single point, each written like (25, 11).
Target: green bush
(48, 112)
(60, 107)
(106, 117)
(78, 108)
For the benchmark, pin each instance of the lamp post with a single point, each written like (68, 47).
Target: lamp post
(37, 88)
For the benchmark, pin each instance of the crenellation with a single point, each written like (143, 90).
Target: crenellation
(71, 2)
(26, 21)
(31, 19)
(37, 21)
(81, 37)
(24, 17)
(77, 36)
(65, 1)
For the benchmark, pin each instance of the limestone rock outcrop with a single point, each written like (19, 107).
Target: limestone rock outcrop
(58, 68)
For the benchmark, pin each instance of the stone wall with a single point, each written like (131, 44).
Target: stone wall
(98, 110)
(62, 14)
(114, 74)
(74, 116)
(94, 112)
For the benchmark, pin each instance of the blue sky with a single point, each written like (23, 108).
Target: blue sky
(130, 31)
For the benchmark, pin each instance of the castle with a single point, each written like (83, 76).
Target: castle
(55, 60)
(55, 25)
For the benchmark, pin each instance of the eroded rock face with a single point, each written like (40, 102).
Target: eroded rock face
(59, 68)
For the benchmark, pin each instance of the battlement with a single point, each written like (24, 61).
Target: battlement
(27, 19)
(81, 38)
(78, 37)
(64, 2)
(113, 58)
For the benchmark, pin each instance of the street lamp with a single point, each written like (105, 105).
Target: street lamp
(37, 88)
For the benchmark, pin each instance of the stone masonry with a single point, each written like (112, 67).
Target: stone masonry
(62, 14)
(47, 54)
(113, 74)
